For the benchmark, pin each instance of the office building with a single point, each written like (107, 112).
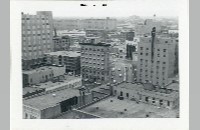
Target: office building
(156, 59)
(69, 59)
(37, 35)
(95, 64)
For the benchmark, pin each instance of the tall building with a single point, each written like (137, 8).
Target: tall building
(156, 59)
(95, 64)
(37, 35)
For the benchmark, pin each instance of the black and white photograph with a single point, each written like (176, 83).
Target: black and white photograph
(100, 60)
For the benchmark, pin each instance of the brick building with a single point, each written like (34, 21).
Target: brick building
(156, 60)
(95, 64)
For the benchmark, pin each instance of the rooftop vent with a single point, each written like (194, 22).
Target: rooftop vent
(54, 95)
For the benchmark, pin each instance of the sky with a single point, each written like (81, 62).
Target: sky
(118, 8)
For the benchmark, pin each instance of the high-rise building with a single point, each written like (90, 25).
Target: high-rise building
(95, 65)
(37, 35)
(156, 59)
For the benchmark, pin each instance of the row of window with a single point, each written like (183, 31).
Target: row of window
(147, 81)
(164, 50)
(92, 63)
(94, 72)
(147, 54)
(92, 77)
(93, 49)
(92, 54)
(92, 67)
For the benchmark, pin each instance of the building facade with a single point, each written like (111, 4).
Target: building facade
(42, 74)
(37, 34)
(166, 98)
(61, 43)
(95, 64)
(69, 59)
(156, 60)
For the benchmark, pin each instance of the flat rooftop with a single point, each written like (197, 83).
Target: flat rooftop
(51, 99)
(50, 84)
(173, 86)
(41, 69)
(140, 88)
(64, 53)
(116, 109)
(30, 90)
(96, 44)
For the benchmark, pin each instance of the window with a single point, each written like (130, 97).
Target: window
(127, 94)
(147, 99)
(153, 100)
(121, 93)
(115, 92)
(168, 103)
(147, 54)
(161, 102)
(141, 53)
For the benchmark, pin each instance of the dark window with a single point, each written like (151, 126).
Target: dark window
(161, 102)
(168, 103)
(146, 99)
(127, 94)
(115, 91)
(153, 100)
(121, 93)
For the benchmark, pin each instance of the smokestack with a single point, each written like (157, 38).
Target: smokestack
(153, 34)
(55, 32)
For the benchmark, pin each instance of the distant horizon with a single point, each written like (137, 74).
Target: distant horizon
(142, 8)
